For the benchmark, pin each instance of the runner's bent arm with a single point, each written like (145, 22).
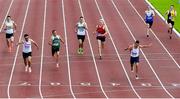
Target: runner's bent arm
(35, 44)
(145, 46)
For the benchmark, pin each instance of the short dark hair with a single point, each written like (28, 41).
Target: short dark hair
(25, 35)
(8, 16)
(137, 41)
(81, 17)
(53, 31)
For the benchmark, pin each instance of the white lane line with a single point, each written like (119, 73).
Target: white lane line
(14, 63)
(119, 57)
(155, 36)
(92, 53)
(140, 49)
(42, 49)
(6, 15)
(67, 52)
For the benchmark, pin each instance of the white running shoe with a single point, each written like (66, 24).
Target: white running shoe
(137, 77)
(57, 65)
(26, 68)
(30, 70)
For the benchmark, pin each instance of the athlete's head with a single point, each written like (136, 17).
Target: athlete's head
(149, 8)
(26, 37)
(136, 43)
(171, 7)
(101, 21)
(54, 32)
(81, 19)
(8, 18)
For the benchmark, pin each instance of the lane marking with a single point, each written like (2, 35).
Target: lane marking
(92, 52)
(119, 57)
(146, 84)
(141, 49)
(176, 84)
(115, 84)
(14, 63)
(67, 52)
(85, 84)
(42, 49)
(55, 84)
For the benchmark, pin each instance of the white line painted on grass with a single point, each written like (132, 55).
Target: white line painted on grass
(67, 52)
(140, 49)
(14, 63)
(119, 57)
(92, 52)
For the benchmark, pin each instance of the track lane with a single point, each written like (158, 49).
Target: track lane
(51, 74)
(20, 78)
(159, 66)
(4, 77)
(143, 91)
(81, 72)
(109, 73)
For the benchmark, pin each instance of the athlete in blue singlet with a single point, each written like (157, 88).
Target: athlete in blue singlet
(149, 14)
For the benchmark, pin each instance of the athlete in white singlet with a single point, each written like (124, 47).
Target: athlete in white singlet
(80, 29)
(10, 28)
(134, 55)
(27, 51)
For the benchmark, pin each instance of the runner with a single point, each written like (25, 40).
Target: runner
(101, 32)
(55, 44)
(10, 28)
(81, 28)
(134, 53)
(149, 14)
(171, 14)
(27, 51)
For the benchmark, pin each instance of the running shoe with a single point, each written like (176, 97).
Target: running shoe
(30, 70)
(26, 68)
(79, 51)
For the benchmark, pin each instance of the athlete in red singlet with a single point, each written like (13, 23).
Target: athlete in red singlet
(101, 32)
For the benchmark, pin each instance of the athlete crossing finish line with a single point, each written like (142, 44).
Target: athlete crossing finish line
(27, 51)
(134, 53)
(55, 45)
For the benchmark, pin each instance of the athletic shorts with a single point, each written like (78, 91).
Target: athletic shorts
(170, 21)
(150, 23)
(8, 36)
(26, 55)
(134, 60)
(55, 49)
(102, 38)
(81, 37)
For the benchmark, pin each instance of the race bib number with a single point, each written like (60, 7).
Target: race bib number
(27, 46)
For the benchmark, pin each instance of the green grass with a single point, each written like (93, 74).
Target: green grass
(163, 5)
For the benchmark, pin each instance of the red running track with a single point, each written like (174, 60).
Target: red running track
(85, 76)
